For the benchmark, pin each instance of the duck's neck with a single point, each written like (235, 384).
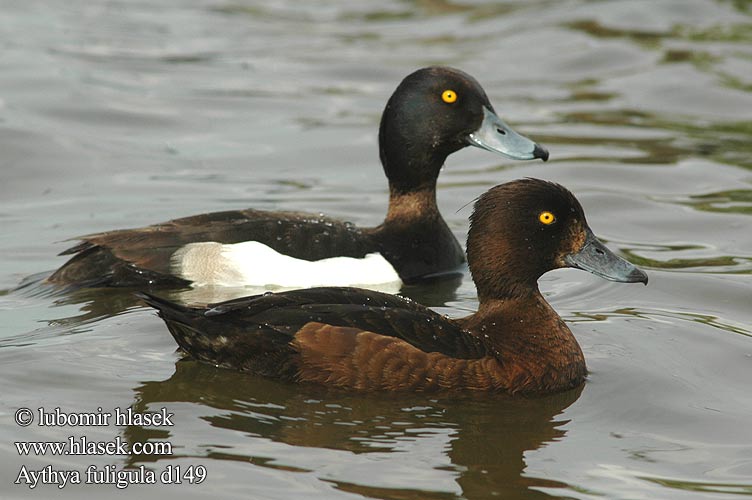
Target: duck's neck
(408, 206)
(536, 349)
(414, 238)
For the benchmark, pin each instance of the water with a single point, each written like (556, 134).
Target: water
(119, 114)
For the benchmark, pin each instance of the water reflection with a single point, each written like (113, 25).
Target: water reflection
(692, 257)
(731, 201)
(485, 438)
(702, 486)
(97, 303)
(93, 304)
(658, 315)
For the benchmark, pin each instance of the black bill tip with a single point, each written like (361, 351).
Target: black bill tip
(638, 276)
(540, 152)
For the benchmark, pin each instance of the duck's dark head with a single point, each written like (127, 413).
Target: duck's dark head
(433, 113)
(525, 228)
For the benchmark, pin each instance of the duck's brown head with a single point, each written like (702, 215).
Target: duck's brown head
(525, 228)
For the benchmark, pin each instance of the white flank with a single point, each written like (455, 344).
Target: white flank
(253, 264)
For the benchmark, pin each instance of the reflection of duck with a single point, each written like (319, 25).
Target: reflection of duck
(432, 113)
(364, 340)
(486, 439)
(491, 444)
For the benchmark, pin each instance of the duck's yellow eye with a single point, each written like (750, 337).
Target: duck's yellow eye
(546, 218)
(449, 96)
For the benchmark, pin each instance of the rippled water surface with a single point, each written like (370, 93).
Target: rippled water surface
(124, 113)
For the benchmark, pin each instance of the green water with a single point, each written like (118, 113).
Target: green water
(124, 113)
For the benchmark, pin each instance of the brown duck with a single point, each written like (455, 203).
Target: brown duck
(369, 341)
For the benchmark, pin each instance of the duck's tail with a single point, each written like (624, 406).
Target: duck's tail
(185, 325)
(163, 305)
(239, 344)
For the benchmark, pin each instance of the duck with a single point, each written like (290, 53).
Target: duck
(433, 113)
(364, 341)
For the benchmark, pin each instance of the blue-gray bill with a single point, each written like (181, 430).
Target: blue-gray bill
(495, 135)
(595, 258)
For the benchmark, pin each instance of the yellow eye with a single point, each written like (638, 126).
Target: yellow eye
(546, 218)
(449, 96)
